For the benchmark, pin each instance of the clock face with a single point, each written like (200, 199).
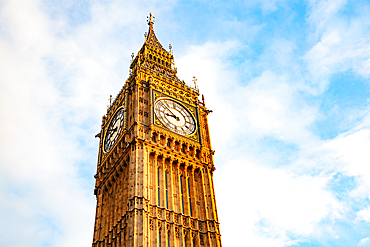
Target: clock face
(112, 133)
(174, 116)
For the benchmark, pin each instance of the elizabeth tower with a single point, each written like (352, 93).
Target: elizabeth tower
(154, 180)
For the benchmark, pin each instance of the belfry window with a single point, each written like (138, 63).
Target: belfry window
(177, 146)
(154, 137)
(183, 148)
(163, 140)
(191, 151)
(197, 154)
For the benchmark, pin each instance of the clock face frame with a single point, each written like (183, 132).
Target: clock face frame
(114, 129)
(174, 116)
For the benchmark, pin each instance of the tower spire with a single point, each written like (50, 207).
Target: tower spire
(150, 37)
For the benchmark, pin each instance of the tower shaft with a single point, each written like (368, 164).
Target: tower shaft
(154, 180)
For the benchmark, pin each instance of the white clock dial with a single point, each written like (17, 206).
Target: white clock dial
(174, 116)
(112, 133)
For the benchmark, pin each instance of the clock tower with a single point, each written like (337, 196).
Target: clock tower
(154, 180)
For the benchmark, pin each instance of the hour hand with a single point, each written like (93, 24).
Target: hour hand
(114, 130)
(174, 116)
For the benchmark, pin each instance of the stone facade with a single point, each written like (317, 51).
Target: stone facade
(154, 180)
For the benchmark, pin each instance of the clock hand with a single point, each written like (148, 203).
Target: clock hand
(169, 110)
(114, 130)
(174, 116)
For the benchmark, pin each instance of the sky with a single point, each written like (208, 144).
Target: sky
(287, 81)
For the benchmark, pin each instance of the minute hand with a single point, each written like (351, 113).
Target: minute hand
(173, 115)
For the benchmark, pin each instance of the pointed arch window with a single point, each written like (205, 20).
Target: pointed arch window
(165, 177)
(158, 189)
(182, 195)
(189, 198)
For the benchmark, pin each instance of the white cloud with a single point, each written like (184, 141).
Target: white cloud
(364, 242)
(270, 106)
(43, 197)
(342, 44)
(351, 152)
(271, 205)
(364, 214)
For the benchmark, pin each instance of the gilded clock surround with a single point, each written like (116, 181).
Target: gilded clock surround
(155, 187)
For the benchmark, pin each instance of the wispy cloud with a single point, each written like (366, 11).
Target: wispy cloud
(364, 241)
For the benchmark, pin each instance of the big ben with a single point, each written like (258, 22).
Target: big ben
(154, 180)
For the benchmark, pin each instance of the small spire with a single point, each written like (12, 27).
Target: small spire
(110, 99)
(173, 63)
(170, 46)
(150, 19)
(195, 82)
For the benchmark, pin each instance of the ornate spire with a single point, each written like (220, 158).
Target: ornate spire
(150, 37)
(153, 55)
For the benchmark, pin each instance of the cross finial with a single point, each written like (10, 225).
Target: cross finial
(110, 99)
(195, 82)
(132, 57)
(150, 19)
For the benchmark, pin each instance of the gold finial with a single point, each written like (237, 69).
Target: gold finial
(170, 46)
(110, 102)
(150, 19)
(195, 82)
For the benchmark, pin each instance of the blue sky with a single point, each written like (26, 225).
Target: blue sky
(288, 83)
